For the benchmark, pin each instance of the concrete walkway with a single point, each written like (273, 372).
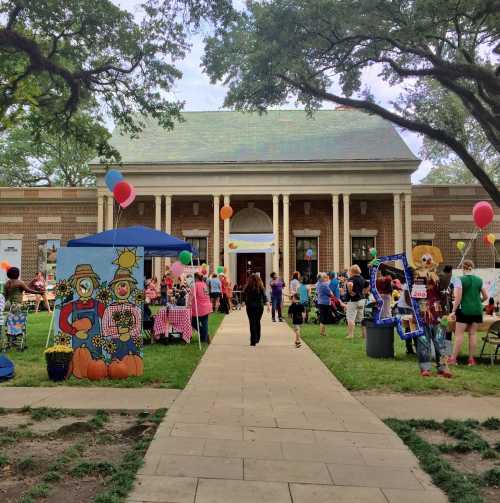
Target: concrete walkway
(272, 425)
(87, 398)
(438, 406)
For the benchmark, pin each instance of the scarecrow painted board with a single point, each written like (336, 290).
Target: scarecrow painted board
(99, 297)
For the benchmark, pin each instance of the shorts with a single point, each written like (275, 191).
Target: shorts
(355, 310)
(468, 319)
(324, 313)
(215, 295)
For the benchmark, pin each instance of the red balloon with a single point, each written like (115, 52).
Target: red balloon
(130, 198)
(483, 214)
(122, 191)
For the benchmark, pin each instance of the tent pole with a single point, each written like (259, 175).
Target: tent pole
(51, 325)
(196, 307)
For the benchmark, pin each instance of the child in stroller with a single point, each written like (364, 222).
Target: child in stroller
(337, 312)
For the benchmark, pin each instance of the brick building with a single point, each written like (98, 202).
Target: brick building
(337, 184)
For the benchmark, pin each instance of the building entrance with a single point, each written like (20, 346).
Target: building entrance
(250, 263)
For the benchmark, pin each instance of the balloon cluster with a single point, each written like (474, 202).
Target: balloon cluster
(123, 191)
(4, 265)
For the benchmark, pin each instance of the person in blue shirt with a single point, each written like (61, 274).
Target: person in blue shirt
(303, 293)
(323, 295)
(334, 284)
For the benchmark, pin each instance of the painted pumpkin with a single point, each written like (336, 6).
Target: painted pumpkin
(118, 370)
(135, 365)
(97, 370)
(81, 360)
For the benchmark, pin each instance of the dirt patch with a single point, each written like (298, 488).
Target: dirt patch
(436, 437)
(491, 436)
(471, 462)
(67, 458)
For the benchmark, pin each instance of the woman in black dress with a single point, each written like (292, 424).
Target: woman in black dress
(254, 296)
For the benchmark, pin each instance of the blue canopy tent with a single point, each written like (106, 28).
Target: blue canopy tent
(155, 243)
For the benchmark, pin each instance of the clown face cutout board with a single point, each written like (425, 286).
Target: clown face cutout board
(99, 300)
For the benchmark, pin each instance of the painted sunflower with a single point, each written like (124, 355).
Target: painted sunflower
(104, 295)
(63, 339)
(63, 289)
(97, 341)
(109, 347)
(138, 296)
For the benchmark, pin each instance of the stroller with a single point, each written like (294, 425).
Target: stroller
(16, 329)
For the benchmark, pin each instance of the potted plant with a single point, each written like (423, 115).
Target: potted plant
(58, 358)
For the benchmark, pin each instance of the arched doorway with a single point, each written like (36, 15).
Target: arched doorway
(253, 227)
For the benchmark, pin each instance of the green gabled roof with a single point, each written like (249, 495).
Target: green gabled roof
(280, 135)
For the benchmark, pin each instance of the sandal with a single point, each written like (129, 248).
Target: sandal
(297, 344)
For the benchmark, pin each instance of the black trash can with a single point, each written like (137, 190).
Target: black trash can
(379, 340)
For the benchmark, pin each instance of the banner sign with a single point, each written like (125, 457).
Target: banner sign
(251, 243)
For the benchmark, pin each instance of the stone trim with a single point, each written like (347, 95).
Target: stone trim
(86, 219)
(11, 220)
(422, 218)
(424, 236)
(364, 233)
(462, 235)
(306, 233)
(196, 233)
(11, 236)
(461, 218)
(49, 220)
(48, 236)
(79, 236)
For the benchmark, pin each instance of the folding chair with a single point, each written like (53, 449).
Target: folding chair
(492, 338)
(16, 329)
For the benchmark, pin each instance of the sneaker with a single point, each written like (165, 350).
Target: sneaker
(425, 373)
(471, 362)
(281, 319)
(274, 321)
(445, 373)
(452, 361)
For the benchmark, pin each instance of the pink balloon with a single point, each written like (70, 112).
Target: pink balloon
(483, 214)
(177, 268)
(130, 199)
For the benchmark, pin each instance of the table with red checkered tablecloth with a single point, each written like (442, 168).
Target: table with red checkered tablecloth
(178, 318)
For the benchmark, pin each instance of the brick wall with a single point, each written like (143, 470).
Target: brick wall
(437, 211)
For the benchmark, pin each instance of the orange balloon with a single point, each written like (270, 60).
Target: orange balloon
(226, 212)
(5, 265)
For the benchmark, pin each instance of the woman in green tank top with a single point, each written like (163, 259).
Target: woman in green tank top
(467, 310)
(14, 288)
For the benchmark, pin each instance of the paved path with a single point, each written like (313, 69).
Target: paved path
(87, 398)
(272, 425)
(438, 406)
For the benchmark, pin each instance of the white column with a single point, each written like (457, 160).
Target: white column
(347, 233)
(336, 233)
(408, 232)
(109, 212)
(276, 232)
(286, 239)
(168, 221)
(398, 225)
(157, 260)
(100, 213)
(227, 230)
(216, 234)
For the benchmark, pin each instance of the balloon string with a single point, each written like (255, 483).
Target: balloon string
(115, 226)
(467, 248)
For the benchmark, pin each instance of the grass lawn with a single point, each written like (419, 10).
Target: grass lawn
(164, 366)
(348, 362)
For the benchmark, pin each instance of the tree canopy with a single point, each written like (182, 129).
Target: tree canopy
(436, 52)
(58, 57)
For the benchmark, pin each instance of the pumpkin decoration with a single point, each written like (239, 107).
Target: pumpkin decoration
(82, 325)
(97, 370)
(80, 362)
(118, 370)
(134, 364)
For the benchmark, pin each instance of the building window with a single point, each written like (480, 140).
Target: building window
(419, 242)
(360, 247)
(307, 265)
(47, 258)
(497, 254)
(200, 246)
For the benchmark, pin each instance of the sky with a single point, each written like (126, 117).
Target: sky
(199, 94)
